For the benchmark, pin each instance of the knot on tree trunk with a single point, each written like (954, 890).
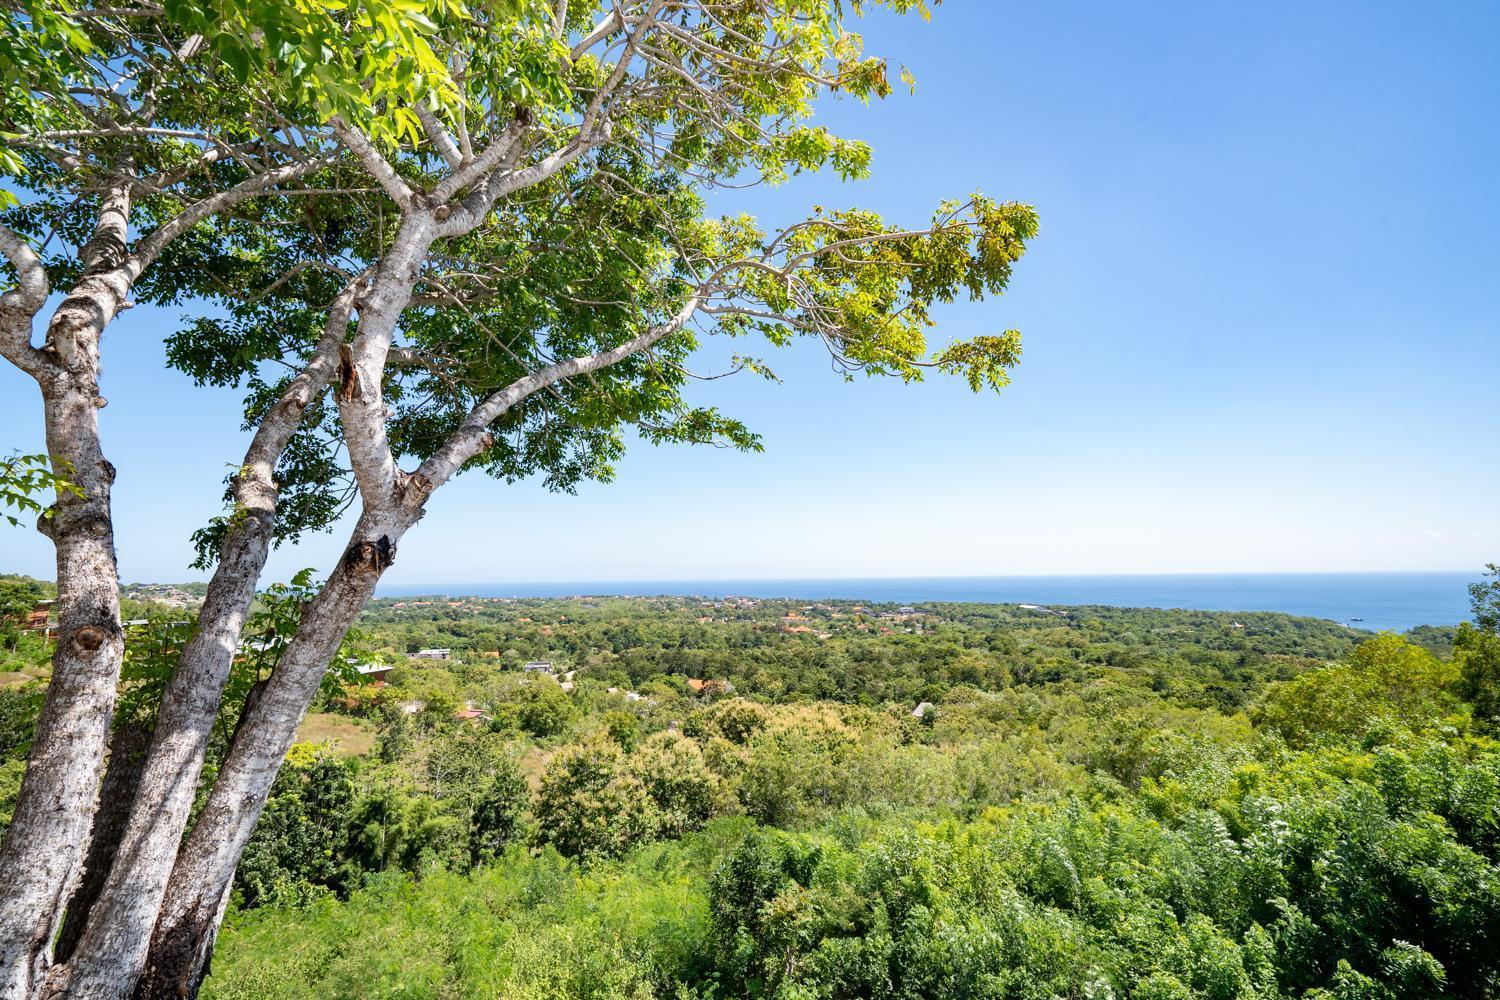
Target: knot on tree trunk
(412, 490)
(75, 519)
(89, 638)
(371, 556)
(105, 252)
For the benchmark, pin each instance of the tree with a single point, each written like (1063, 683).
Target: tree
(1384, 678)
(1477, 648)
(298, 843)
(682, 788)
(130, 129)
(544, 709)
(498, 260)
(590, 805)
(496, 818)
(623, 728)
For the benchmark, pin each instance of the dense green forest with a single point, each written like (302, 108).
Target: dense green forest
(675, 798)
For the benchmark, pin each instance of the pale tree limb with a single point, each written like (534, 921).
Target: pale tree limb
(151, 247)
(43, 850)
(363, 363)
(19, 306)
(474, 436)
(203, 875)
(438, 136)
(377, 166)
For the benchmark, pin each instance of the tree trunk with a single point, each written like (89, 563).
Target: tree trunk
(113, 945)
(48, 836)
(127, 758)
(199, 887)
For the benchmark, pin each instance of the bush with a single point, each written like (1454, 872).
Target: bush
(684, 792)
(499, 812)
(590, 806)
(544, 709)
(1386, 678)
(623, 728)
(298, 848)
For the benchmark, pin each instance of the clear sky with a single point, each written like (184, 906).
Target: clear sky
(1260, 322)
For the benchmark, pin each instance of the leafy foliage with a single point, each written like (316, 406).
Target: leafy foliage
(1477, 646)
(22, 477)
(1130, 808)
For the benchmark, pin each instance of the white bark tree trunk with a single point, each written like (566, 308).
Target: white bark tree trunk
(49, 833)
(194, 901)
(44, 848)
(196, 893)
(112, 947)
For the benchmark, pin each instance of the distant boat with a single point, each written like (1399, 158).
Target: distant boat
(1356, 619)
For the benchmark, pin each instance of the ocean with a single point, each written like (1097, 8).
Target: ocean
(1365, 600)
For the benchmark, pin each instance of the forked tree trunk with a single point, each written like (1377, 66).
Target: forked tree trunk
(127, 758)
(189, 915)
(112, 945)
(199, 888)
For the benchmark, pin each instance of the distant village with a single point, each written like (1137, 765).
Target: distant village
(546, 639)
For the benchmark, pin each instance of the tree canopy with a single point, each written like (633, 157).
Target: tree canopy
(435, 237)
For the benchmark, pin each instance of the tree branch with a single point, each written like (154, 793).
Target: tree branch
(441, 140)
(152, 246)
(474, 436)
(19, 306)
(376, 165)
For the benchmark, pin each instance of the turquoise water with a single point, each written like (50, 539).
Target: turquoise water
(1380, 600)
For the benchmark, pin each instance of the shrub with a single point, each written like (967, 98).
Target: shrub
(590, 806)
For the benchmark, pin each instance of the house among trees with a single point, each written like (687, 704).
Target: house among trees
(470, 714)
(40, 617)
(709, 688)
(376, 672)
(538, 667)
(433, 654)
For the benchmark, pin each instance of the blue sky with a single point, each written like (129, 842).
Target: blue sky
(1260, 325)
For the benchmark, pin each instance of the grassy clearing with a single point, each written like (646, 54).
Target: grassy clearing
(349, 737)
